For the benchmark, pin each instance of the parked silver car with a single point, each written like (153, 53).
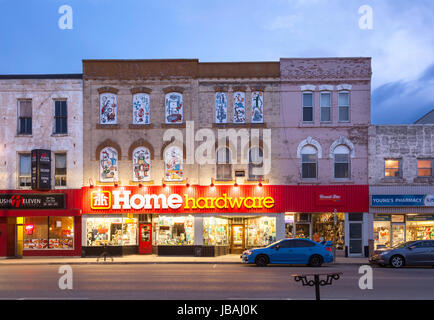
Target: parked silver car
(411, 253)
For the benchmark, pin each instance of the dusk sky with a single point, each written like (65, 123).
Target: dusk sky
(401, 42)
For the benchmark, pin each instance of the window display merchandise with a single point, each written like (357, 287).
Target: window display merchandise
(420, 230)
(215, 231)
(261, 231)
(111, 231)
(174, 230)
(382, 234)
(49, 233)
(323, 228)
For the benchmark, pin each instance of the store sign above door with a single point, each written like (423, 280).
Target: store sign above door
(125, 200)
(330, 199)
(420, 200)
(29, 201)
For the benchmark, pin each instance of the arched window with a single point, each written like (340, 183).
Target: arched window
(173, 164)
(108, 164)
(239, 107)
(174, 107)
(221, 107)
(141, 164)
(341, 155)
(255, 163)
(224, 166)
(257, 107)
(108, 108)
(309, 162)
(141, 108)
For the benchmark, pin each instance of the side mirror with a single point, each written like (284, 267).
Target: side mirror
(277, 247)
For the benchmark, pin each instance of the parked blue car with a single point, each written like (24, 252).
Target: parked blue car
(290, 251)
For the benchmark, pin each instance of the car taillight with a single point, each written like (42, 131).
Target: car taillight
(329, 249)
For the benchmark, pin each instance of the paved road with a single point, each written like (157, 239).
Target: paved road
(190, 281)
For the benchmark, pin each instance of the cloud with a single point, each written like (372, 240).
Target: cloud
(403, 102)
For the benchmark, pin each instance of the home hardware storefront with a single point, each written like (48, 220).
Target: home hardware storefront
(200, 220)
(40, 223)
(402, 214)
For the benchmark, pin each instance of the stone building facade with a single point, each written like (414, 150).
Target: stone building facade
(401, 182)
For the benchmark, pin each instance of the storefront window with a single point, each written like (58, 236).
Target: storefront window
(261, 231)
(49, 233)
(420, 230)
(215, 231)
(382, 234)
(175, 230)
(323, 228)
(289, 225)
(111, 231)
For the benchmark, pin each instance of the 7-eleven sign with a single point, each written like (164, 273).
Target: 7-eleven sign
(100, 199)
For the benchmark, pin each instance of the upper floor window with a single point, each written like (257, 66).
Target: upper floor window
(424, 168)
(326, 106)
(344, 106)
(307, 106)
(341, 162)
(309, 162)
(24, 173)
(257, 107)
(174, 108)
(108, 108)
(141, 164)
(141, 108)
(173, 164)
(24, 116)
(255, 163)
(224, 166)
(392, 168)
(239, 107)
(60, 117)
(108, 163)
(60, 169)
(221, 107)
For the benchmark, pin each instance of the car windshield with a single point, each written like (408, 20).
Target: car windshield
(403, 245)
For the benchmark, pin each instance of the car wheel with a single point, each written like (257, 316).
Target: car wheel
(315, 261)
(397, 261)
(261, 260)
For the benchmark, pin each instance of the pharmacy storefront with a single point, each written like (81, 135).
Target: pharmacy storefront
(200, 220)
(402, 214)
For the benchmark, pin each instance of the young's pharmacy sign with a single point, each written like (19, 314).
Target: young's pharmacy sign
(419, 200)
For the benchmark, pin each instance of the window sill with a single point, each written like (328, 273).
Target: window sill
(172, 125)
(309, 181)
(256, 181)
(239, 125)
(183, 181)
(101, 183)
(108, 126)
(57, 135)
(23, 135)
(392, 180)
(150, 182)
(424, 180)
(141, 126)
(346, 181)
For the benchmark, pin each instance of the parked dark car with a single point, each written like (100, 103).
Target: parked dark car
(411, 253)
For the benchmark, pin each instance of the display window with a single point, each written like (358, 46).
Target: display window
(420, 230)
(215, 231)
(111, 231)
(323, 228)
(174, 230)
(381, 234)
(48, 233)
(261, 231)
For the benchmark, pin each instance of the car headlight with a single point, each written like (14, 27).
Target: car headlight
(249, 252)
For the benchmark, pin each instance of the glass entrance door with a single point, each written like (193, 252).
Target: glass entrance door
(398, 233)
(356, 242)
(237, 238)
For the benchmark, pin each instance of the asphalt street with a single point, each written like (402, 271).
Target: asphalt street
(208, 281)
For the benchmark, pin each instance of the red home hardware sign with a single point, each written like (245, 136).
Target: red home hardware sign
(224, 199)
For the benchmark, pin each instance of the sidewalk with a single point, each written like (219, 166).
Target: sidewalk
(150, 259)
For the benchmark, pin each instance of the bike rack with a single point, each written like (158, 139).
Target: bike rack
(316, 281)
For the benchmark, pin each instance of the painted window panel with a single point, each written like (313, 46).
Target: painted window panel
(108, 109)
(239, 107)
(141, 108)
(173, 164)
(109, 170)
(174, 108)
(141, 164)
(257, 107)
(221, 107)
